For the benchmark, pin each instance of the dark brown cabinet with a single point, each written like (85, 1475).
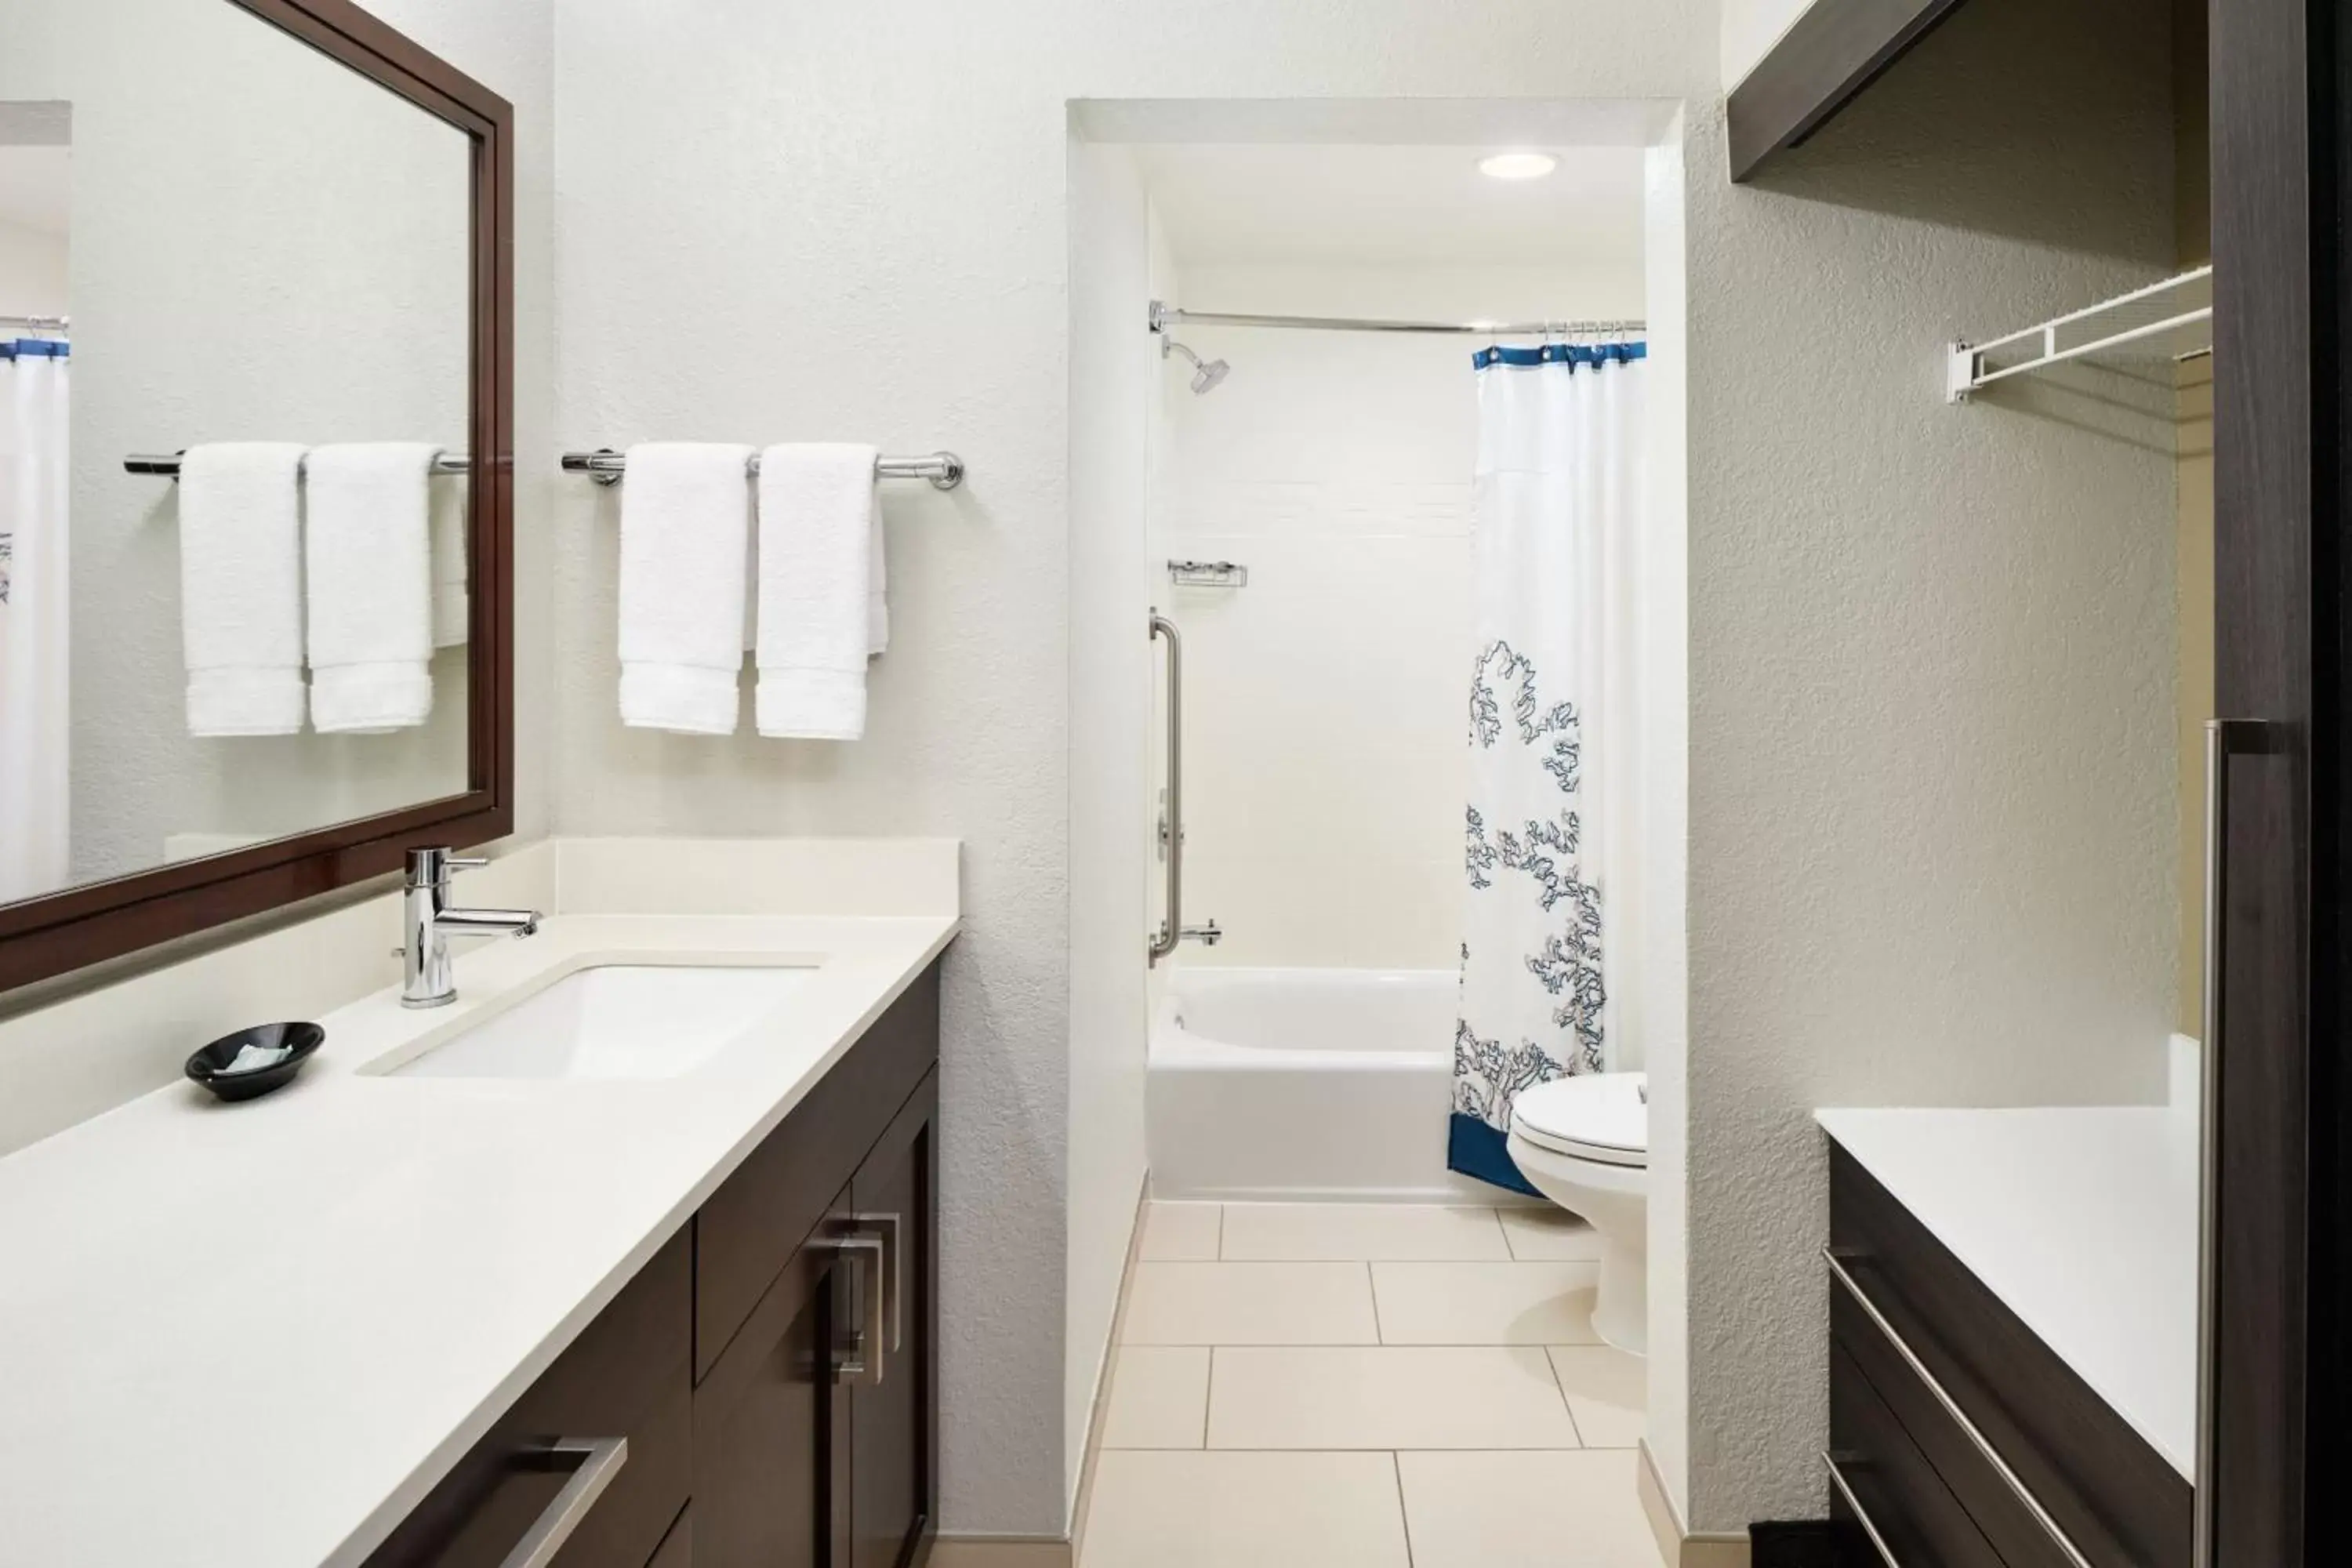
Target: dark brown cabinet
(772, 1372)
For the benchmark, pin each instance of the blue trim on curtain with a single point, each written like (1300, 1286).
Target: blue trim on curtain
(1477, 1150)
(36, 348)
(1570, 355)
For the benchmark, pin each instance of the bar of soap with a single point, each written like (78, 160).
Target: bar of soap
(253, 1058)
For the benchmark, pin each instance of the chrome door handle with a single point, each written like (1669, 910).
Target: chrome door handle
(862, 1362)
(1163, 941)
(1860, 1514)
(595, 1461)
(890, 1230)
(1951, 1406)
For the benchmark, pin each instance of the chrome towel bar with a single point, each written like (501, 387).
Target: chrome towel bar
(166, 465)
(944, 470)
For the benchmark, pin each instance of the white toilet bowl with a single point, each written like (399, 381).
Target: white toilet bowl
(1584, 1144)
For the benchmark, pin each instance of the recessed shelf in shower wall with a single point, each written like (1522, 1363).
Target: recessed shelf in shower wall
(1208, 574)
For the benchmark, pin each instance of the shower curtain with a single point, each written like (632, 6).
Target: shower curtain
(1559, 502)
(33, 648)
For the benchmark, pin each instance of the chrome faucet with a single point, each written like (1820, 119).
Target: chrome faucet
(426, 920)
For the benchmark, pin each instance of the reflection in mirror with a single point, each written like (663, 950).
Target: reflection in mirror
(215, 238)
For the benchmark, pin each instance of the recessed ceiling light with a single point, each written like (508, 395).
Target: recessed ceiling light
(1517, 165)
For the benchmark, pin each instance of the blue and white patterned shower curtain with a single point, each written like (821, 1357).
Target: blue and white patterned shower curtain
(1559, 495)
(34, 688)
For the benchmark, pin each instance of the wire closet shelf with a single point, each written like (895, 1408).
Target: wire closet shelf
(2158, 327)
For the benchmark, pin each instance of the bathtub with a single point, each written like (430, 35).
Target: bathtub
(1305, 1084)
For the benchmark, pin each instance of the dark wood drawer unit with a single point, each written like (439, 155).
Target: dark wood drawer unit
(1893, 1482)
(755, 1223)
(623, 1378)
(2099, 1484)
(772, 1372)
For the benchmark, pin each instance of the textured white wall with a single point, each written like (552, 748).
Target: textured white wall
(1750, 28)
(800, 222)
(1324, 768)
(32, 271)
(1931, 664)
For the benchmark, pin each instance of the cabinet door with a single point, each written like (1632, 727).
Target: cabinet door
(894, 1430)
(771, 1425)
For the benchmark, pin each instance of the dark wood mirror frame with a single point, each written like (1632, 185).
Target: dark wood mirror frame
(66, 930)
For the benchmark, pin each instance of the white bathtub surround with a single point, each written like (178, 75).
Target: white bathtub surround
(2082, 1221)
(822, 613)
(368, 579)
(1554, 611)
(36, 646)
(686, 521)
(427, 1282)
(1320, 1433)
(1313, 1084)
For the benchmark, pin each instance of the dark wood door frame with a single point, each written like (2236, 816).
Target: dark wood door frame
(2280, 466)
(84, 925)
(1836, 49)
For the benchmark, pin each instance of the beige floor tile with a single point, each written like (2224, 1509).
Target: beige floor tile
(1301, 1232)
(1386, 1397)
(1486, 1303)
(1173, 1231)
(1244, 1511)
(1159, 1397)
(1608, 1393)
(1253, 1304)
(1526, 1510)
(1550, 1234)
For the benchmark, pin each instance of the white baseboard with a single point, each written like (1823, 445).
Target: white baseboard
(1677, 1544)
(1081, 1504)
(1002, 1551)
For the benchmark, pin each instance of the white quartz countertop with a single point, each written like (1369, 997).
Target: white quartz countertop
(258, 1334)
(2082, 1221)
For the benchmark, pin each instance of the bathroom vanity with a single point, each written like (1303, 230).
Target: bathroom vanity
(2013, 1341)
(448, 1295)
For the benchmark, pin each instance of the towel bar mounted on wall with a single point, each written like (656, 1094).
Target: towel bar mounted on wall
(167, 466)
(944, 470)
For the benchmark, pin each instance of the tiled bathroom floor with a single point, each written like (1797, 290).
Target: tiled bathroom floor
(1313, 1385)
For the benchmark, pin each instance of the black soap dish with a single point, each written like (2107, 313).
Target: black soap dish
(287, 1047)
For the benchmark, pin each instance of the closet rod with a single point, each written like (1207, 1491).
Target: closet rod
(1164, 315)
(167, 464)
(944, 470)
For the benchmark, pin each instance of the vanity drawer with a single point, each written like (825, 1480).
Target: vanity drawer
(2118, 1500)
(751, 1226)
(625, 1377)
(1892, 1483)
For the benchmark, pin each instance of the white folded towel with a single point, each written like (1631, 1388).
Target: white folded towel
(685, 522)
(451, 606)
(370, 585)
(820, 589)
(241, 588)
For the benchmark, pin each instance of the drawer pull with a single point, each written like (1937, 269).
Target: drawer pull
(891, 1228)
(595, 1461)
(862, 1362)
(1984, 1447)
(1860, 1514)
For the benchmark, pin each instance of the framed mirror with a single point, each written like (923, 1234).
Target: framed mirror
(255, 465)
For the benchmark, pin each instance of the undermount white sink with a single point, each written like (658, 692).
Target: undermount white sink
(617, 1021)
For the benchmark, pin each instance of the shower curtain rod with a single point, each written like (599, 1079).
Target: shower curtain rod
(1165, 315)
(37, 324)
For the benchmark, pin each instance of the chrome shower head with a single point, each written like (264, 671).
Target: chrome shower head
(1205, 377)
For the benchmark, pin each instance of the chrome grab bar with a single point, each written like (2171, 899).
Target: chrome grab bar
(1860, 1514)
(863, 1361)
(1984, 1447)
(1171, 929)
(598, 1459)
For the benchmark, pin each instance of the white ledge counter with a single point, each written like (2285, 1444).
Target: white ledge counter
(257, 1335)
(2082, 1221)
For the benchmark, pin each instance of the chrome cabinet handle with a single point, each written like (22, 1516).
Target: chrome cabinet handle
(863, 1361)
(1860, 1514)
(1985, 1450)
(890, 1230)
(597, 1460)
(1171, 929)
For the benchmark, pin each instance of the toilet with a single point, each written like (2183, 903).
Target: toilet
(1584, 1143)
